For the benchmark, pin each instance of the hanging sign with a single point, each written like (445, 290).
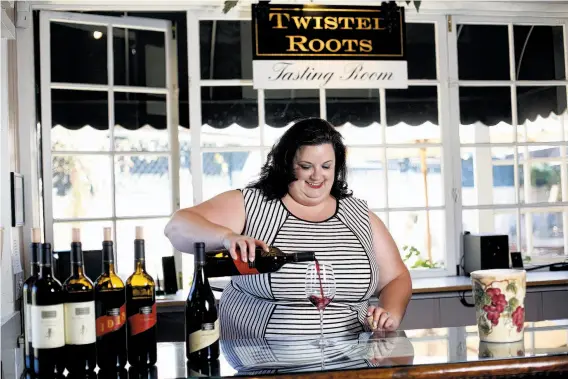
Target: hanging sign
(323, 46)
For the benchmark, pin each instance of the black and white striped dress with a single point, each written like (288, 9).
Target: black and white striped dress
(275, 305)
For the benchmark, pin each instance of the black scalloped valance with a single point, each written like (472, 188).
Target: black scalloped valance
(489, 106)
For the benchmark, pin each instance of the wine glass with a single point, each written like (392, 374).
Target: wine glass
(320, 290)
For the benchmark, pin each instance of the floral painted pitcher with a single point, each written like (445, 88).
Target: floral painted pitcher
(499, 304)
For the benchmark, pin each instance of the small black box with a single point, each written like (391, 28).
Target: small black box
(170, 276)
(485, 251)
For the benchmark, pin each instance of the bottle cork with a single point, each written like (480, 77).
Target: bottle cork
(107, 234)
(36, 235)
(139, 233)
(76, 235)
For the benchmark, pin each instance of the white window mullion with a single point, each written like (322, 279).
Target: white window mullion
(383, 111)
(194, 75)
(225, 83)
(261, 116)
(172, 113)
(45, 82)
(450, 150)
(563, 148)
(454, 146)
(111, 122)
(323, 103)
(515, 124)
(117, 218)
(519, 83)
(161, 153)
(543, 207)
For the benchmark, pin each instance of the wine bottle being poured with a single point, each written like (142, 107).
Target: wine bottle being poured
(220, 263)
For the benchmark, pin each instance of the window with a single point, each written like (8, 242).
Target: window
(478, 139)
(114, 148)
(385, 166)
(512, 108)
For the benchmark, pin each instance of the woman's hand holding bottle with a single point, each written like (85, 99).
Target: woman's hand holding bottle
(244, 246)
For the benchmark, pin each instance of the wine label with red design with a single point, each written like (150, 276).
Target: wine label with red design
(111, 321)
(243, 267)
(80, 323)
(207, 335)
(143, 320)
(48, 325)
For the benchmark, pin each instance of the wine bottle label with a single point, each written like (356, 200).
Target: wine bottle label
(80, 323)
(243, 267)
(207, 335)
(143, 320)
(113, 320)
(28, 326)
(48, 325)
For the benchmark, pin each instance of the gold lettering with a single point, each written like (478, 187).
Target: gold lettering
(366, 45)
(330, 23)
(346, 21)
(302, 22)
(300, 43)
(313, 42)
(377, 25)
(318, 20)
(279, 24)
(110, 323)
(333, 49)
(363, 23)
(349, 43)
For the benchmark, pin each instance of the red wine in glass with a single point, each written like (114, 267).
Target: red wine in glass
(320, 290)
(320, 302)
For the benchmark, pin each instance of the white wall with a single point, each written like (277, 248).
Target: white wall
(8, 162)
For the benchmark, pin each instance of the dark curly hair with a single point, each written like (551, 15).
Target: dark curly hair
(278, 171)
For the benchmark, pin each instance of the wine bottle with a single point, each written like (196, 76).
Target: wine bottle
(141, 309)
(220, 262)
(201, 321)
(110, 304)
(27, 297)
(47, 319)
(80, 324)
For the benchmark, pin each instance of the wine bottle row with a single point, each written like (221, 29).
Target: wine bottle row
(79, 324)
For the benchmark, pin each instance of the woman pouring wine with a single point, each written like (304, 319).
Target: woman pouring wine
(300, 203)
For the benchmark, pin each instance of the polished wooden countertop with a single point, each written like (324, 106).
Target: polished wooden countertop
(420, 353)
(419, 285)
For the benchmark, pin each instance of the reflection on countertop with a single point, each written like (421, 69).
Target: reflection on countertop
(420, 350)
(367, 350)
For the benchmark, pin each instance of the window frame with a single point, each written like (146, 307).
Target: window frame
(440, 83)
(455, 83)
(475, 13)
(170, 91)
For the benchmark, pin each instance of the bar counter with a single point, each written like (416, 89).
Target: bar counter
(420, 353)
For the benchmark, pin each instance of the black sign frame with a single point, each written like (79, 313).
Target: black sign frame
(273, 35)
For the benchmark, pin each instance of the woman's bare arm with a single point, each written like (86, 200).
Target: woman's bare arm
(218, 223)
(395, 284)
(209, 222)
